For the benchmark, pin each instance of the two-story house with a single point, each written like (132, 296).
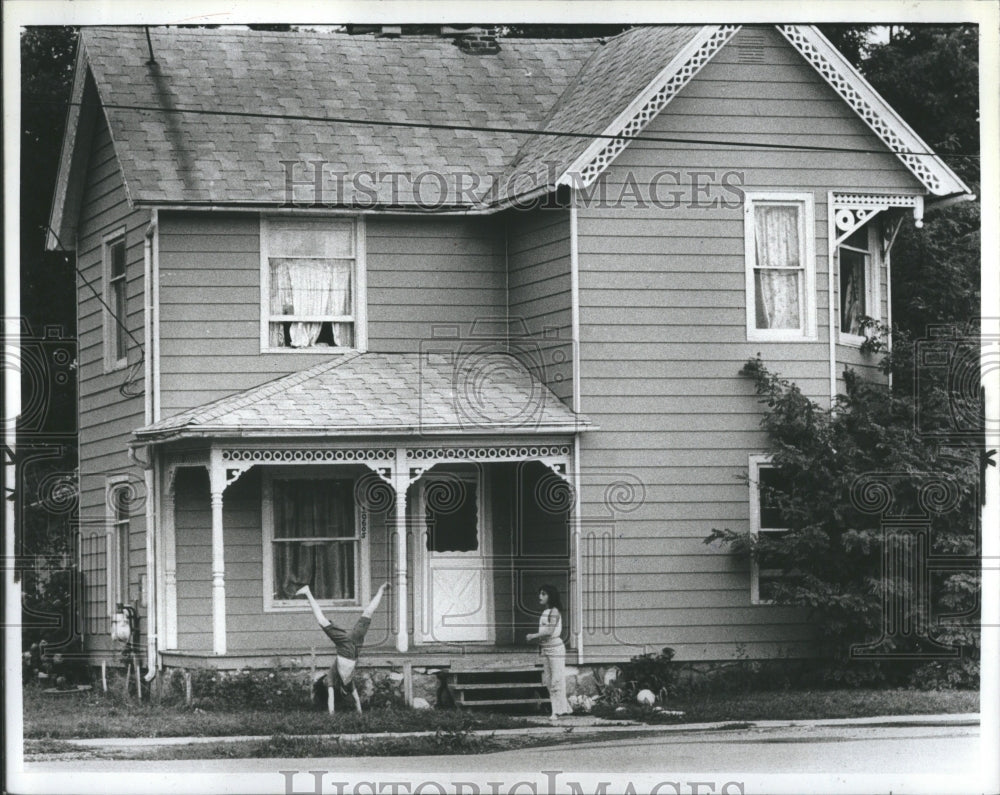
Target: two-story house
(467, 318)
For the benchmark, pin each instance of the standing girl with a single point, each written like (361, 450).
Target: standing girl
(549, 637)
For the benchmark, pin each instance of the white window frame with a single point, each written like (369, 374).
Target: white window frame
(108, 241)
(873, 271)
(756, 464)
(362, 560)
(360, 286)
(117, 590)
(807, 240)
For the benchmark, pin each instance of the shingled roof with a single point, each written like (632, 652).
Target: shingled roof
(233, 117)
(378, 393)
(168, 157)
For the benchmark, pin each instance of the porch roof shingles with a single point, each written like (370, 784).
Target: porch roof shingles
(379, 393)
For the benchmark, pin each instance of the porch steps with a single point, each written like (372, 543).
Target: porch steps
(494, 685)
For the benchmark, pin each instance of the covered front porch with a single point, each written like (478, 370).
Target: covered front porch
(464, 534)
(367, 470)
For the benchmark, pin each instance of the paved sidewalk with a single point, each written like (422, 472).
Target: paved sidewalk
(581, 724)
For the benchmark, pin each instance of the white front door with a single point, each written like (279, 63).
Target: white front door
(456, 582)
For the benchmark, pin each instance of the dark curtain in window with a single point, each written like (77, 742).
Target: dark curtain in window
(309, 517)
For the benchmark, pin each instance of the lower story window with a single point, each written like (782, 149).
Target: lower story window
(767, 518)
(315, 539)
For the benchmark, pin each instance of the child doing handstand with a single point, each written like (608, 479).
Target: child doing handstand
(348, 645)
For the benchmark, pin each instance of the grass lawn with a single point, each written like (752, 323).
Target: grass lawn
(97, 714)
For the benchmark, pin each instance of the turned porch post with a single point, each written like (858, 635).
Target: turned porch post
(217, 481)
(401, 481)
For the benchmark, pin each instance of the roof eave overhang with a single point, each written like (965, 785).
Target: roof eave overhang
(941, 202)
(247, 434)
(318, 209)
(60, 234)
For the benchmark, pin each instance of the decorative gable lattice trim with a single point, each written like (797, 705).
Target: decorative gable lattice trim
(873, 110)
(633, 120)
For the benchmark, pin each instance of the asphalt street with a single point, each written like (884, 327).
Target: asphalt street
(806, 758)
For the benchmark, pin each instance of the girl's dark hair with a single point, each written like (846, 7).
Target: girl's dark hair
(553, 594)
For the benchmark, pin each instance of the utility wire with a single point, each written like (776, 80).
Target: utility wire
(134, 369)
(245, 114)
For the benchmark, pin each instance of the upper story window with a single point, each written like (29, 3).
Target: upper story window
(780, 267)
(313, 285)
(858, 263)
(766, 517)
(116, 299)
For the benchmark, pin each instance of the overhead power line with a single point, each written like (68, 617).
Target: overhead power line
(126, 387)
(246, 114)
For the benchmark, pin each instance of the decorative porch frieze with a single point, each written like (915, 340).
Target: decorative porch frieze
(851, 211)
(555, 456)
(308, 455)
(239, 460)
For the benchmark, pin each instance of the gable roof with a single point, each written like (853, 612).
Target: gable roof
(380, 393)
(267, 107)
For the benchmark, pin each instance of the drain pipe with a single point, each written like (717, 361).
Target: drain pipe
(152, 627)
(574, 278)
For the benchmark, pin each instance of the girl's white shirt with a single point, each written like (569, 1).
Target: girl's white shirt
(551, 619)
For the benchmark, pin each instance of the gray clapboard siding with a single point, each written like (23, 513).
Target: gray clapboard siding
(661, 351)
(107, 418)
(211, 348)
(538, 272)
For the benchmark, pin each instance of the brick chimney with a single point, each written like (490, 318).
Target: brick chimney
(473, 40)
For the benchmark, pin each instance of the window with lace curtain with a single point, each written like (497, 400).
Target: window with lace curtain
(780, 267)
(857, 263)
(314, 536)
(313, 284)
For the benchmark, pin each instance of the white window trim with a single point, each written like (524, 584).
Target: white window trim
(110, 328)
(362, 561)
(360, 296)
(873, 274)
(115, 591)
(757, 462)
(808, 239)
